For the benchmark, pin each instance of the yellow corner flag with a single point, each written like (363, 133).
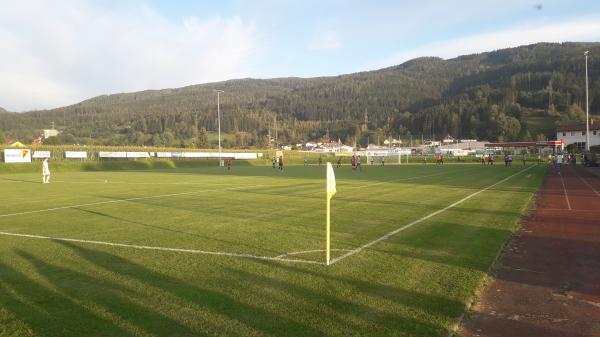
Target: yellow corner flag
(330, 192)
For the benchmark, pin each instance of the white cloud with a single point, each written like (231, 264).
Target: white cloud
(582, 30)
(58, 53)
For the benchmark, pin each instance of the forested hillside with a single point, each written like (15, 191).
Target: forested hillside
(510, 94)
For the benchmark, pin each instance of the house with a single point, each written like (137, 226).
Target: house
(334, 147)
(394, 142)
(432, 143)
(448, 140)
(575, 134)
(50, 133)
(310, 146)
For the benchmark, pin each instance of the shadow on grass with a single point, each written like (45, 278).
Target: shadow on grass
(166, 229)
(117, 300)
(48, 312)
(350, 313)
(464, 246)
(266, 322)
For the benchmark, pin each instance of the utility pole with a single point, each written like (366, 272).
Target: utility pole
(587, 105)
(219, 120)
(275, 121)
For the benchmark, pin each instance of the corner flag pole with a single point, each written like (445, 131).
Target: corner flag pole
(330, 192)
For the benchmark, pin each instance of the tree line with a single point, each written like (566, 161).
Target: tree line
(506, 95)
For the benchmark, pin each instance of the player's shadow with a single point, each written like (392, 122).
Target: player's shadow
(353, 310)
(215, 302)
(166, 229)
(41, 310)
(367, 288)
(120, 301)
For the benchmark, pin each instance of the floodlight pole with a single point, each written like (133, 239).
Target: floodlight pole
(219, 121)
(587, 105)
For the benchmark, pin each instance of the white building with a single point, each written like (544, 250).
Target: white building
(575, 134)
(462, 149)
(448, 140)
(394, 142)
(50, 133)
(310, 146)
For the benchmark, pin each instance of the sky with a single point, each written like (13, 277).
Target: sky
(58, 53)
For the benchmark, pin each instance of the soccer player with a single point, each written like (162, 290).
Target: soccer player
(382, 161)
(45, 171)
(273, 161)
(281, 163)
(358, 163)
(559, 160)
(229, 164)
(339, 162)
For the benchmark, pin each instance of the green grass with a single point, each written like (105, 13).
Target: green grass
(416, 283)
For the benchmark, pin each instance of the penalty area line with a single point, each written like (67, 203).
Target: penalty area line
(167, 249)
(398, 230)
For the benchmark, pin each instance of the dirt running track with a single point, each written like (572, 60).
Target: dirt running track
(548, 280)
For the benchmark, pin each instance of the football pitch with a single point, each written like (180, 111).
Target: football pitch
(206, 252)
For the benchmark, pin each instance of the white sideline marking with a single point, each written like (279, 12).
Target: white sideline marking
(178, 250)
(565, 190)
(119, 200)
(396, 231)
(118, 182)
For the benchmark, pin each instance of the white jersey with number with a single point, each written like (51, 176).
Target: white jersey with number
(45, 169)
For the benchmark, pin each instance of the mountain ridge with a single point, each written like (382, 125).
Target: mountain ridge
(513, 93)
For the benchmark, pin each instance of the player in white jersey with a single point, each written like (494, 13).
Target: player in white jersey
(45, 171)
